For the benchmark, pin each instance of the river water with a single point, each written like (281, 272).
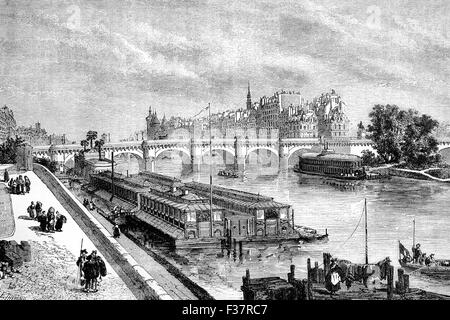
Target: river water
(391, 205)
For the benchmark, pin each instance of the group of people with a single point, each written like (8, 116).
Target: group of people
(19, 185)
(7, 270)
(49, 221)
(89, 204)
(421, 257)
(91, 269)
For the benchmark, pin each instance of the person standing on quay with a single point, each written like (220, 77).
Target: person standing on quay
(6, 176)
(21, 185)
(27, 184)
(116, 231)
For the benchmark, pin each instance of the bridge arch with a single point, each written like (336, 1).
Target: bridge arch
(264, 158)
(271, 149)
(138, 154)
(227, 154)
(185, 152)
(292, 159)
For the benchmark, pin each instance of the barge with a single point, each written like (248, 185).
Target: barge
(330, 164)
(182, 213)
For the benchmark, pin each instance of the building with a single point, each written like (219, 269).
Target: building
(285, 114)
(7, 123)
(38, 136)
(333, 122)
(156, 130)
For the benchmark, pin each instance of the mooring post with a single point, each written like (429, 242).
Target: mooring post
(291, 275)
(316, 272)
(326, 263)
(308, 268)
(401, 285)
(406, 283)
(390, 282)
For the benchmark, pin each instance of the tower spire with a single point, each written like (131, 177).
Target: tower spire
(249, 98)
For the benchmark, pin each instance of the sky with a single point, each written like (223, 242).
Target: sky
(98, 65)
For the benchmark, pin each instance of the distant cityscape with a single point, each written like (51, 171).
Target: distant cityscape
(285, 114)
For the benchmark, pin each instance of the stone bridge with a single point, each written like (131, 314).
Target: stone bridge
(234, 151)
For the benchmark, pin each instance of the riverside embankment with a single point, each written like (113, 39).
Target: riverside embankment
(143, 285)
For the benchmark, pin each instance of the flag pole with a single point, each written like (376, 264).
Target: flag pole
(365, 220)
(414, 233)
(210, 173)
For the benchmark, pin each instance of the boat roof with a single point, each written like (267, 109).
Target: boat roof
(331, 156)
(230, 192)
(183, 206)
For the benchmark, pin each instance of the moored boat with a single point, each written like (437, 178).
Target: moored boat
(228, 173)
(437, 269)
(330, 164)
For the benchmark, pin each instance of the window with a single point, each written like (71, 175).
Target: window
(217, 216)
(191, 216)
(283, 213)
(260, 214)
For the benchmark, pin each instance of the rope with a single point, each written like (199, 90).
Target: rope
(351, 235)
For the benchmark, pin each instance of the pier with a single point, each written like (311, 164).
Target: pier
(314, 286)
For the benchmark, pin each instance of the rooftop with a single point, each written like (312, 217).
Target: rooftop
(331, 156)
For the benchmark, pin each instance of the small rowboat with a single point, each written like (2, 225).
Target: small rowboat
(438, 269)
(228, 173)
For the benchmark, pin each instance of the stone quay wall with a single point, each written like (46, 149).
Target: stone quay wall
(142, 284)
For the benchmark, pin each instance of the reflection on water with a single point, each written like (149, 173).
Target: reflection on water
(392, 205)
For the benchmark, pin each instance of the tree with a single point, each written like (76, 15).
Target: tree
(98, 146)
(84, 144)
(419, 146)
(369, 158)
(8, 149)
(403, 135)
(91, 136)
(388, 124)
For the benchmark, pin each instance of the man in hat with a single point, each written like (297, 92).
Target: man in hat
(417, 253)
(80, 263)
(94, 270)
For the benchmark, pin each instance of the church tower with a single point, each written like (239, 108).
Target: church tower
(249, 98)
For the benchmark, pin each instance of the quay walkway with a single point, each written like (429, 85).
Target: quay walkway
(167, 281)
(52, 273)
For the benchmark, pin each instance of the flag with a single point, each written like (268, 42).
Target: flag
(204, 109)
(403, 251)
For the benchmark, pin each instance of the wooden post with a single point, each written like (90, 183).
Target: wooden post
(316, 272)
(240, 249)
(401, 285)
(291, 275)
(390, 282)
(406, 283)
(326, 263)
(305, 289)
(308, 268)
